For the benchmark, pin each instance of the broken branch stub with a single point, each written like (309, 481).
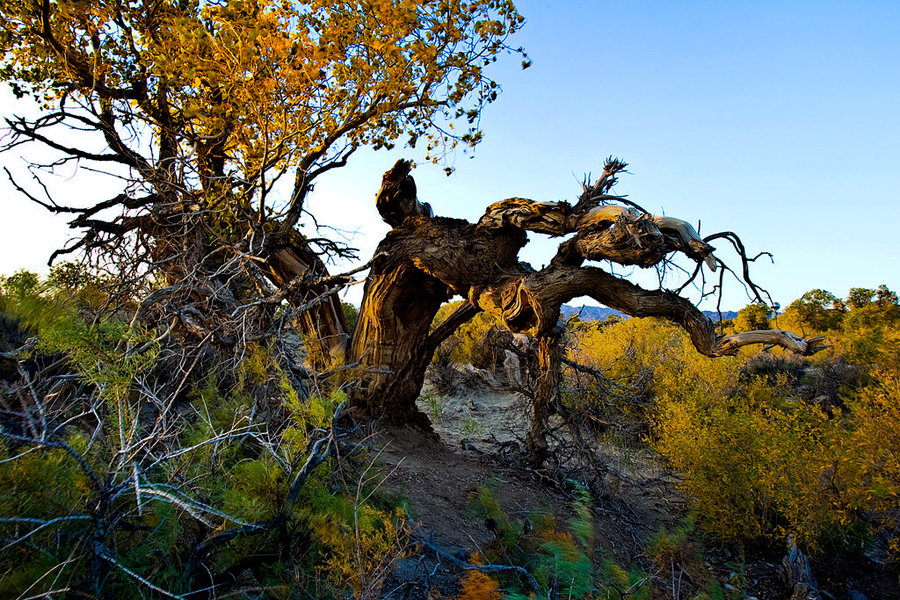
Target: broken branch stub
(396, 199)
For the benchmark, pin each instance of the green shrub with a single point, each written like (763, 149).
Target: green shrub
(111, 490)
(564, 558)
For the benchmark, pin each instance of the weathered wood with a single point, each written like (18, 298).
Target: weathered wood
(797, 575)
(772, 337)
(399, 305)
(425, 260)
(297, 268)
(539, 295)
(396, 199)
(608, 232)
(547, 353)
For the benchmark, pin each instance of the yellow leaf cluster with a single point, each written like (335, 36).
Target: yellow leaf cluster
(363, 550)
(234, 94)
(478, 586)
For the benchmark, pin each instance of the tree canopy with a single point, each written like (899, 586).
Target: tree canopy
(210, 104)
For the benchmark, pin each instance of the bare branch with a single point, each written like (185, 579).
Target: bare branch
(319, 449)
(28, 346)
(461, 564)
(20, 127)
(95, 481)
(732, 237)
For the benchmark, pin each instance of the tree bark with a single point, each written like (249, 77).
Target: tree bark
(548, 354)
(295, 267)
(399, 305)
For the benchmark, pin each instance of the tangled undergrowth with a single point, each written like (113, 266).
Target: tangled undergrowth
(133, 464)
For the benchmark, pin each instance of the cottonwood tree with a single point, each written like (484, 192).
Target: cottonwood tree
(203, 108)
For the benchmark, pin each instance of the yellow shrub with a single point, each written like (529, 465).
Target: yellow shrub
(719, 447)
(759, 460)
(478, 586)
(866, 468)
(645, 359)
(764, 463)
(468, 341)
(363, 549)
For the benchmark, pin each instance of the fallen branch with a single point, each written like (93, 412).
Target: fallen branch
(773, 337)
(440, 552)
(15, 354)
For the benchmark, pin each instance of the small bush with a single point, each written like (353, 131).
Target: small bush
(562, 558)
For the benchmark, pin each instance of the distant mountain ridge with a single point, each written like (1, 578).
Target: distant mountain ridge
(601, 313)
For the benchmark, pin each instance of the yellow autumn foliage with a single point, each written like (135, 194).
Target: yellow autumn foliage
(276, 82)
(866, 469)
(469, 343)
(643, 358)
(362, 549)
(478, 586)
(760, 457)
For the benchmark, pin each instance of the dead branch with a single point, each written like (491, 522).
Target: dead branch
(738, 245)
(25, 348)
(318, 450)
(461, 564)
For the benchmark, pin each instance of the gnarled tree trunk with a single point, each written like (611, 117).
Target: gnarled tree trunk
(302, 277)
(425, 260)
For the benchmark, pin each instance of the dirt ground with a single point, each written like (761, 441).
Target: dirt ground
(477, 441)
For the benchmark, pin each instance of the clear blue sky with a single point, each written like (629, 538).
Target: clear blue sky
(777, 120)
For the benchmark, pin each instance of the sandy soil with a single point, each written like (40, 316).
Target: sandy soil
(437, 475)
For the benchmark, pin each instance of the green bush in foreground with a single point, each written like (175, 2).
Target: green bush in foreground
(112, 486)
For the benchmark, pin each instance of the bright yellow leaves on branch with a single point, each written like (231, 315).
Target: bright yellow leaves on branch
(250, 86)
